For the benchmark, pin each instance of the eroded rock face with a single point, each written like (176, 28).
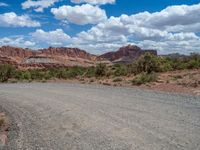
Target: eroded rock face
(63, 56)
(126, 54)
(16, 54)
(68, 52)
(46, 57)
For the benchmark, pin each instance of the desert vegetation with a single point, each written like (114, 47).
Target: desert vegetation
(143, 70)
(3, 121)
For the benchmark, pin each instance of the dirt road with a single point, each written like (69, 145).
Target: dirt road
(87, 117)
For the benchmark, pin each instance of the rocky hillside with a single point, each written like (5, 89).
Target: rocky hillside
(68, 52)
(59, 56)
(15, 54)
(126, 54)
(63, 56)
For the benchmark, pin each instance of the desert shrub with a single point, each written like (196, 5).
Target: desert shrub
(144, 78)
(37, 74)
(117, 80)
(61, 73)
(133, 68)
(17, 74)
(53, 72)
(179, 64)
(47, 75)
(100, 70)
(195, 56)
(27, 75)
(23, 75)
(73, 72)
(6, 71)
(163, 65)
(192, 64)
(176, 77)
(91, 80)
(90, 72)
(120, 70)
(186, 62)
(151, 63)
(147, 63)
(67, 73)
(2, 121)
(44, 75)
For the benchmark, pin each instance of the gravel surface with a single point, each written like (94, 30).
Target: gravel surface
(52, 116)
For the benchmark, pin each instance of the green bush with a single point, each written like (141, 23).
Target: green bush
(74, 72)
(23, 75)
(151, 63)
(100, 70)
(144, 78)
(192, 64)
(147, 63)
(60, 73)
(47, 75)
(2, 121)
(163, 65)
(120, 70)
(6, 71)
(36, 74)
(90, 72)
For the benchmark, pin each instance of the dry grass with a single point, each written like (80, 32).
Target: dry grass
(3, 120)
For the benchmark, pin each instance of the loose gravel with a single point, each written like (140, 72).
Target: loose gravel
(53, 116)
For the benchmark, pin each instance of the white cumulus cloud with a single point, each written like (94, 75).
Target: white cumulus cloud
(11, 19)
(174, 28)
(52, 38)
(38, 5)
(94, 2)
(18, 41)
(3, 4)
(81, 15)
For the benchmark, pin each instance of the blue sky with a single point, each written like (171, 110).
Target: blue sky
(99, 26)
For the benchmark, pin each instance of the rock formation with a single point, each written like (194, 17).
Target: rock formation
(126, 54)
(63, 56)
(46, 57)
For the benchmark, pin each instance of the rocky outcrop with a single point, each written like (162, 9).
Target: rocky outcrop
(68, 52)
(63, 56)
(16, 54)
(46, 57)
(126, 54)
(6, 60)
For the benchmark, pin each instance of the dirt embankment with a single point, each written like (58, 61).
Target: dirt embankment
(4, 128)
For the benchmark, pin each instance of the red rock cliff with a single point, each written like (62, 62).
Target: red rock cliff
(126, 54)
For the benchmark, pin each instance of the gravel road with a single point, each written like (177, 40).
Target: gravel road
(53, 116)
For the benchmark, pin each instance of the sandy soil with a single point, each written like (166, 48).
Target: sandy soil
(183, 81)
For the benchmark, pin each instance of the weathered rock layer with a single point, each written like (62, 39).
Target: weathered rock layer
(63, 56)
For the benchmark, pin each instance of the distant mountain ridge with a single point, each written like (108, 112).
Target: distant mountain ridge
(126, 54)
(64, 56)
